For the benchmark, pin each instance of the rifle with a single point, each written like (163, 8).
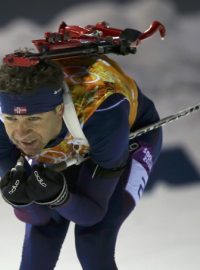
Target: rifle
(76, 41)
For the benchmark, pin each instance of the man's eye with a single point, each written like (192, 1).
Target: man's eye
(9, 118)
(34, 118)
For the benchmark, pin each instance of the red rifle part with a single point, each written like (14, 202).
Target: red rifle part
(154, 27)
(73, 40)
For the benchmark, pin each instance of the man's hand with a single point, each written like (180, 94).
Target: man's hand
(46, 187)
(13, 188)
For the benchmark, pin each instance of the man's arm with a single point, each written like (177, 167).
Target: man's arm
(34, 214)
(8, 152)
(108, 134)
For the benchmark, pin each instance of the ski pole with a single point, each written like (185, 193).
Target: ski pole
(137, 133)
(171, 118)
(164, 121)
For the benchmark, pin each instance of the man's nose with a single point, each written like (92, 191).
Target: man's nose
(22, 129)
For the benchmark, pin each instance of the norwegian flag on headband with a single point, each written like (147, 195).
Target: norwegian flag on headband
(20, 110)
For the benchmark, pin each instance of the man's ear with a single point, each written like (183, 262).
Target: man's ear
(60, 110)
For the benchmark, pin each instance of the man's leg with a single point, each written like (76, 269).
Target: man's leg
(95, 245)
(42, 245)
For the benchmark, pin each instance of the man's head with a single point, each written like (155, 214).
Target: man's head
(22, 80)
(31, 103)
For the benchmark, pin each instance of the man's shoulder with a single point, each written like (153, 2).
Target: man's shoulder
(1, 124)
(2, 130)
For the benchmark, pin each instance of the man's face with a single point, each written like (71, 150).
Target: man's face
(30, 133)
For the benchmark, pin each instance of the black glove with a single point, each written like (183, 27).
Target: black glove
(47, 187)
(13, 187)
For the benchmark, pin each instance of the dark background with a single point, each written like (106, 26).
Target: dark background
(45, 10)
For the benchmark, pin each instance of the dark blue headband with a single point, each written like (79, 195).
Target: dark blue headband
(43, 99)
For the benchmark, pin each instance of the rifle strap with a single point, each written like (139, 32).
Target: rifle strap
(71, 119)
